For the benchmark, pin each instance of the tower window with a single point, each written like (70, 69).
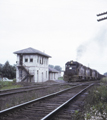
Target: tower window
(26, 60)
(31, 60)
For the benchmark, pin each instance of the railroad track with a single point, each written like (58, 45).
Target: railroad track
(42, 108)
(24, 89)
(11, 98)
(33, 87)
(28, 89)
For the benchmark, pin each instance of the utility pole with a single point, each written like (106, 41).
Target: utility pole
(101, 15)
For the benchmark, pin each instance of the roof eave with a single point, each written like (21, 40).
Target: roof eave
(32, 54)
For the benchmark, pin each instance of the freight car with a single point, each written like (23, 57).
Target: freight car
(75, 71)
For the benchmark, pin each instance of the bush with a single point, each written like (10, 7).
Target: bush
(104, 80)
(96, 102)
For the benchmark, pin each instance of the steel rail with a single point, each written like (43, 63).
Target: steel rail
(37, 85)
(15, 89)
(25, 90)
(48, 116)
(35, 100)
(19, 88)
(20, 91)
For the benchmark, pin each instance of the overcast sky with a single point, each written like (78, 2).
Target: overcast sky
(64, 29)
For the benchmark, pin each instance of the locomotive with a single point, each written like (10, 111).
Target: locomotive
(75, 71)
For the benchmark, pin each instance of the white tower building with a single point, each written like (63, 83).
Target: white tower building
(32, 65)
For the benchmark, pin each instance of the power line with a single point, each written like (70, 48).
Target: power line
(101, 15)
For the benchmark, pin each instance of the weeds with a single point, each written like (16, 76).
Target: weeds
(8, 85)
(95, 107)
(96, 102)
(77, 115)
(87, 116)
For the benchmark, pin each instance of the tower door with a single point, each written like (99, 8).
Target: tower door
(42, 76)
(37, 75)
(21, 59)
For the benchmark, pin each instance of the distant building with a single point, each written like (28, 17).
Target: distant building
(54, 74)
(32, 65)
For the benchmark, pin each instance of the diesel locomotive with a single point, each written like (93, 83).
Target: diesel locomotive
(75, 71)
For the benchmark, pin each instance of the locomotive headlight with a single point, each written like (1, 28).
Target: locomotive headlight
(70, 68)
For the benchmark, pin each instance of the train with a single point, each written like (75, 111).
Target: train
(75, 71)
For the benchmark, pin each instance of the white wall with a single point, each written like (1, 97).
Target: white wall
(17, 75)
(39, 64)
(53, 76)
(41, 74)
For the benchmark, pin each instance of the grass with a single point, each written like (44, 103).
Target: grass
(4, 85)
(10, 87)
(60, 78)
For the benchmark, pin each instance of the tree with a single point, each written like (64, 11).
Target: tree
(51, 66)
(105, 74)
(13, 71)
(0, 70)
(0, 65)
(8, 70)
(57, 67)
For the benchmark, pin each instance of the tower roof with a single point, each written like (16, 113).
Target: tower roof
(31, 51)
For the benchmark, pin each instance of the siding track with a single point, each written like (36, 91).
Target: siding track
(24, 89)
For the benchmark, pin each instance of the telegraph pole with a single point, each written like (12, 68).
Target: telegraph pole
(104, 13)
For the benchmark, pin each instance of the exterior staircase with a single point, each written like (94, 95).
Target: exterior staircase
(28, 75)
